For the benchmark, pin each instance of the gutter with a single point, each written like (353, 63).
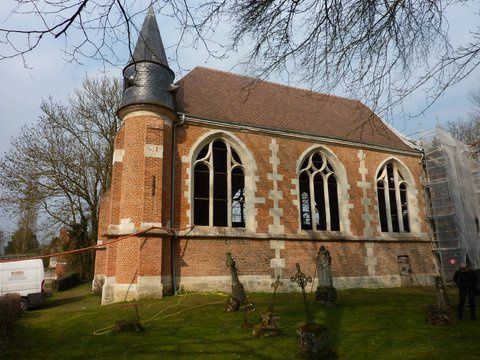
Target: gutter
(172, 203)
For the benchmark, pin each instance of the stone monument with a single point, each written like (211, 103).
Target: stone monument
(238, 297)
(441, 313)
(313, 338)
(269, 320)
(129, 325)
(326, 293)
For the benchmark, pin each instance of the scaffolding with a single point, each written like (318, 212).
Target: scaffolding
(452, 191)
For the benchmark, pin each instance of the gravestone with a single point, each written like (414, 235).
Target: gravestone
(326, 293)
(313, 338)
(441, 312)
(269, 320)
(238, 297)
(129, 325)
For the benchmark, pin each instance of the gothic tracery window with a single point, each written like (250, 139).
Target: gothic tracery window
(219, 186)
(318, 194)
(392, 199)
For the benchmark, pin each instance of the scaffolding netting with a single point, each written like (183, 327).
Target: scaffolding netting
(453, 189)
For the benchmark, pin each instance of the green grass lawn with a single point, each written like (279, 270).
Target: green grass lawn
(365, 324)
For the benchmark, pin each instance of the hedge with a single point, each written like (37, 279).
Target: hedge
(69, 281)
(9, 312)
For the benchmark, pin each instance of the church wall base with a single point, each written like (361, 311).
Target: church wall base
(262, 283)
(153, 287)
(147, 287)
(97, 283)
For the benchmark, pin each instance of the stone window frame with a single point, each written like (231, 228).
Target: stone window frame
(343, 188)
(250, 173)
(411, 193)
(231, 165)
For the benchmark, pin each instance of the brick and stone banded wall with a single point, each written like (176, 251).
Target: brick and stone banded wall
(139, 267)
(201, 263)
(273, 181)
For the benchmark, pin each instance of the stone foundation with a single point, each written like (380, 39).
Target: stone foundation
(262, 283)
(200, 266)
(97, 283)
(154, 287)
(147, 287)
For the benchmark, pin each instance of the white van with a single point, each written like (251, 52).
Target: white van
(25, 277)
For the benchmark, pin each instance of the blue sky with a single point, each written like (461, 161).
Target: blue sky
(50, 75)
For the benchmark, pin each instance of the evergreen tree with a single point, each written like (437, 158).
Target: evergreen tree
(23, 241)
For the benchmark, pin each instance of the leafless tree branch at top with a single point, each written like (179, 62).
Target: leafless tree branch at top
(377, 51)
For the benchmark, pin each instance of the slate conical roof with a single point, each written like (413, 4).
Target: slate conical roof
(149, 44)
(147, 78)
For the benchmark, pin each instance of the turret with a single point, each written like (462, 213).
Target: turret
(139, 196)
(147, 78)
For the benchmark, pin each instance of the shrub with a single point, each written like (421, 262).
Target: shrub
(69, 281)
(9, 311)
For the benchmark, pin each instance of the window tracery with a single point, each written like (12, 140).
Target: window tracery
(392, 198)
(219, 186)
(318, 194)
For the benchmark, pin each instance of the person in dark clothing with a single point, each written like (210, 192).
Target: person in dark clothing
(466, 280)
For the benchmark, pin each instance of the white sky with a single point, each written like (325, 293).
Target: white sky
(23, 89)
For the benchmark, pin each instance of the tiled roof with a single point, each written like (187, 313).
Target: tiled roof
(228, 97)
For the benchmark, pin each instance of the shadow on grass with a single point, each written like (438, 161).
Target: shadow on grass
(51, 303)
(226, 349)
(333, 317)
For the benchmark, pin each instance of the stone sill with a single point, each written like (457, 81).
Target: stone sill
(239, 233)
(217, 232)
(158, 232)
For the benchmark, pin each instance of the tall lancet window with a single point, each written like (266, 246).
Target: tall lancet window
(219, 186)
(318, 194)
(392, 199)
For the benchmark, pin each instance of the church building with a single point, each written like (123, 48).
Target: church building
(218, 162)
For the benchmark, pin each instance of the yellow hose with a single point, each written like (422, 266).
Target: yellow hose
(109, 329)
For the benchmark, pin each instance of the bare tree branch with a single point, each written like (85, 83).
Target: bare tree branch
(62, 164)
(377, 51)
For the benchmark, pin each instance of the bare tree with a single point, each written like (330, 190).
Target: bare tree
(98, 29)
(62, 163)
(379, 51)
(468, 130)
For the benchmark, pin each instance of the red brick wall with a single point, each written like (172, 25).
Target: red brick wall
(201, 257)
(116, 187)
(131, 196)
(289, 153)
(111, 260)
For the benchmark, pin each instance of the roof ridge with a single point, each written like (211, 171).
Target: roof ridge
(275, 83)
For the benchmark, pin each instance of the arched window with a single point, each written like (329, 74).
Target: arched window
(318, 194)
(219, 186)
(392, 199)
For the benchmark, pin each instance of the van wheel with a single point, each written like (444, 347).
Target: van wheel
(24, 304)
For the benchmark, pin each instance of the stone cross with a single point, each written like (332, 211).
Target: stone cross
(275, 285)
(442, 298)
(238, 291)
(302, 280)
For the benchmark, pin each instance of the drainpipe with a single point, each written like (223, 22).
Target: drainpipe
(172, 202)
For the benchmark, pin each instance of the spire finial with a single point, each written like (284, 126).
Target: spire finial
(149, 45)
(150, 11)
